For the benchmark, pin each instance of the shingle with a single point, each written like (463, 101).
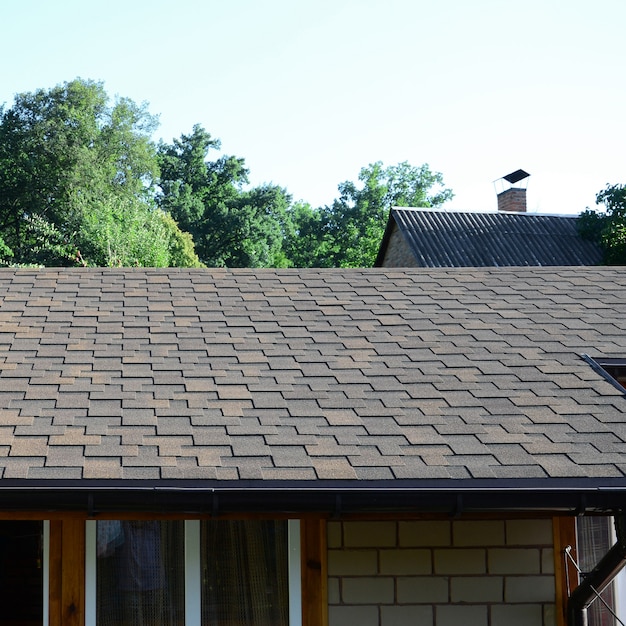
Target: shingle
(65, 456)
(249, 468)
(102, 467)
(333, 468)
(249, 446)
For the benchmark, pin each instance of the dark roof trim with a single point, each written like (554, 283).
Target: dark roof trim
(454, 498)
(382, 250)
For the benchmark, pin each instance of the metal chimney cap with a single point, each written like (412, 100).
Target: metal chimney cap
(516, 176)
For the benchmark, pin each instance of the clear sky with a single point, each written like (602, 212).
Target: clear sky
(309, 91)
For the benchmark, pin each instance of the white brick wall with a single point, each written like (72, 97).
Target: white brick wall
(444, 573)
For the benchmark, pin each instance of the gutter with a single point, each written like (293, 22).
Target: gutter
(334, 497)
(599, 578)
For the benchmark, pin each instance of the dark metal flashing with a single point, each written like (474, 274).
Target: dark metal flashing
(572, 497)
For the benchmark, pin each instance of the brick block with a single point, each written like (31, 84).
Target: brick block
(529, 589)
(516, 615)
(424, 534)
(453, 615)
(369, 534)
(403, 615)
(547, 561)
(352, 562)
(422, 590)
(333, 534)
(408, 561)
(368, 590)
(478, 533)
(529, 532)
(334, 596)
(361, 615)
(514, 561)
(476, 589)
(460, 561)
(549, 615)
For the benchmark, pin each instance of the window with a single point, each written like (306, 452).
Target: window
(613, 369)
(245, 576)
(594, 539)
(195, 573)
(616, 368)
(24, 568)
(139, 572)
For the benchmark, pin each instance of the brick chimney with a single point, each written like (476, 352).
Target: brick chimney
(513, 199)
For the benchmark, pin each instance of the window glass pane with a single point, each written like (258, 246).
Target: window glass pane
(21, 573)
(140, 573)
(245, 573)
(594, 541)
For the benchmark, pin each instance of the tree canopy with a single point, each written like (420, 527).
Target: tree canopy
(83, 183)
(608, 227)
(354, 224)
(77, 179)
(231, 225)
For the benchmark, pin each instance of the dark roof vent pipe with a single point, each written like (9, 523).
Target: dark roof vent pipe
(512, 198)
(596, 581)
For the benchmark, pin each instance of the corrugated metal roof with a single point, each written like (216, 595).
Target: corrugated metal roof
(451, 239)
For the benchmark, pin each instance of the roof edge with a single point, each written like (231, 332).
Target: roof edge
(335, 498)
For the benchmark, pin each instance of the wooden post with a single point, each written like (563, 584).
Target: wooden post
(67, 572)
(314, 573)
(564, 531)
(54, 575)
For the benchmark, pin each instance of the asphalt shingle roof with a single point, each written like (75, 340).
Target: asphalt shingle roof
(300, 375)
(465, 239)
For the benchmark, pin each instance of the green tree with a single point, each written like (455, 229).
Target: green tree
(607, 228)
(126, 234)
(304, 244)
(231, 225)
(351, 229)
(77, 180)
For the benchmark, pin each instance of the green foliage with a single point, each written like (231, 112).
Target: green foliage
(304, 244)
(66, 160)
(352, 227)
(180, 245)
(128, 233)
(231, 226)
(82, 183)
(607, 228)
(6, 254)
(49, 246)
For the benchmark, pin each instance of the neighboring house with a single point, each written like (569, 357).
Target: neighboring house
(376, 447)
(435, 238)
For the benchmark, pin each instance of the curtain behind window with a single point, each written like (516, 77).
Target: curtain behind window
(140, 573)
(245, 573)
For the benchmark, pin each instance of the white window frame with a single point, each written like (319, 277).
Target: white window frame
(193, 574)
(193, 580)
